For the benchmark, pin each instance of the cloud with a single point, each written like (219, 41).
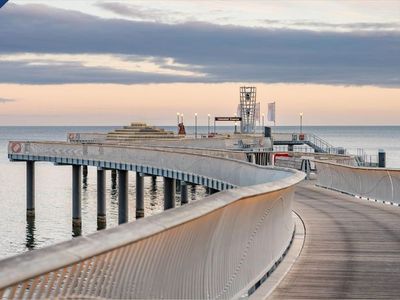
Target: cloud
(224, 53)
(139, 12)
(6, 100)
(319, 26)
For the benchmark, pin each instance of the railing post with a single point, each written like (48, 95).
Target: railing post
(139, 195)
(169, 193)
(76, 195)
(123, 212)
(30, 188)
(184, 193)
(101, 198)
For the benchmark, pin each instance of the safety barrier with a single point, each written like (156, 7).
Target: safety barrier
(373, 183)
(216, 248)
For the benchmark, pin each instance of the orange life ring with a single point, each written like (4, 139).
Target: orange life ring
(16, 147)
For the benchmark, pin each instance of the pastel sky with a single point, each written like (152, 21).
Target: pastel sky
(111, 62)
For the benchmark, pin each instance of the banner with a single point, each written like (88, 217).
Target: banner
(271, 112)
(2, 2)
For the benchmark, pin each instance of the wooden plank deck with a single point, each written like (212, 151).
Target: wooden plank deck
(351, 250)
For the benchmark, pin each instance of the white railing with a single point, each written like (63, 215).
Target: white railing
(77, 137)
(373, 183)
(215, 248)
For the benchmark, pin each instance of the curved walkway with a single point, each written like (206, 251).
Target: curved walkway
(352, 249)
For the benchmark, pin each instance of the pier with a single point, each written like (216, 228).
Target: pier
(351, 249)
(231, 243)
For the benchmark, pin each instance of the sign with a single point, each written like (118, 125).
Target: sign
(2, 2)
(233, 119)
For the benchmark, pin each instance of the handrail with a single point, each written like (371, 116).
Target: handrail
(214, 248)
(373, 183)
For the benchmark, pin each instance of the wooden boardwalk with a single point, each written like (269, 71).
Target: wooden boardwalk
(351, 250)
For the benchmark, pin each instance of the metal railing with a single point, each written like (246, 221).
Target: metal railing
(374, 183)
(313, 141)
(215, 248)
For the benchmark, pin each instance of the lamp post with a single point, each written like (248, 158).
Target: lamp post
(182, 118)
(235, 127)
(177, 117)
(263, 118)
(195, 125)
(301, 122)
(209, 119)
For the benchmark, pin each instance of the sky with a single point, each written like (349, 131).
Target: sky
(111, 62)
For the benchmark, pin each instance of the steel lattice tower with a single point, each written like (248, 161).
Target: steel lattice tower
(248, 108)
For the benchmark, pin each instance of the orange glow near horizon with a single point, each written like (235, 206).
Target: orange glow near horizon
(113, 104)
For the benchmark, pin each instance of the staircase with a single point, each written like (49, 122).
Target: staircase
(137, 130)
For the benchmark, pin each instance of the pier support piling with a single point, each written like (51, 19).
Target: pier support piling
(76, 195)
(85, 171)
(169, 193)
(184, 193)
(114, 178)
(123, 210)
(139, 195)
(101, 197)
(30, 188)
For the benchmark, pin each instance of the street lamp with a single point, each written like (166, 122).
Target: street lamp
(209, 120)
(301, 122)
(263, 117)
(177, 117)
(182, 118)
(195, 125)
(235, 127)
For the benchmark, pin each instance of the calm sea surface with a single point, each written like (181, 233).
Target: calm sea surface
(53, 183)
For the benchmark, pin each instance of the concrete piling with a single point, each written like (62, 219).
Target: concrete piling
(114, 177)
(76, 195)
(85, 171)
(139, 195)
(123, 210)
(169, 193)
(30, 188)
(101, 197)
(184, 193)
(213, 191)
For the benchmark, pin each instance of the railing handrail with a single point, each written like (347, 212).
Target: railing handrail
(36, 263)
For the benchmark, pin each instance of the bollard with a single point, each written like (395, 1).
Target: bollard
(381, 158)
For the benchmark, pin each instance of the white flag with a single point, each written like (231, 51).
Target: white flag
(271, 112)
